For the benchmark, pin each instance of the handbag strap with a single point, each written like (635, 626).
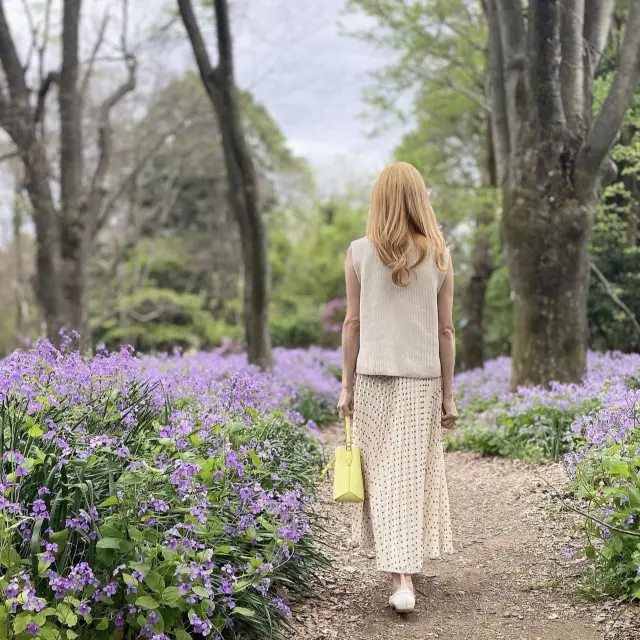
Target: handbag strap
(347, 432)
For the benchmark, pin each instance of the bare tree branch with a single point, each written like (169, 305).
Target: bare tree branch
(11, 62)
(51, 78)
(108, 204)
(9, 155)
(207, 71)
(608, 122)
(84, 84)
(42, 49)
(496, 93)
(33, 31)
(510, 22)
(71, 150)
(572, 64)
(105, 135)
(225, 48)
(597, 22)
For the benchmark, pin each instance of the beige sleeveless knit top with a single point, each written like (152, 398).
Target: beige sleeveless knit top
(398, 325)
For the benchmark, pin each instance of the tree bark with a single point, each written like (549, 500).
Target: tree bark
(473, 303)
(482, 264)
(220, 85)
(18, 248)
(546, 250)
(554, 169)
(74, 238)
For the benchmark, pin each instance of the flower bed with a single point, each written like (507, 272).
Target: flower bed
(594, 428)
(534, 423)
(158, 497)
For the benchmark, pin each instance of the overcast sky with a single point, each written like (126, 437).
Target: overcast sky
(294, 56)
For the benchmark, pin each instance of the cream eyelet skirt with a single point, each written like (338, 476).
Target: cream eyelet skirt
(405, 516)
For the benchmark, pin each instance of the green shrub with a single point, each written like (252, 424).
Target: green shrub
(296, 331)
(126, 513)
(541, 431)
(608, 480)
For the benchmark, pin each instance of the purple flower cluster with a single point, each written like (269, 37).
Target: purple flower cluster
(605, 386)
(165, 445)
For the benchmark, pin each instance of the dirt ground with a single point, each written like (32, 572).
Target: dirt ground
(510, 578)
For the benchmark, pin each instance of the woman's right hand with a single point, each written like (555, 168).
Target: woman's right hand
(449, 413)
(345, 403)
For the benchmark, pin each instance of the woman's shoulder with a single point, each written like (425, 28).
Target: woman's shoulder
(360, 248)
(360, 243)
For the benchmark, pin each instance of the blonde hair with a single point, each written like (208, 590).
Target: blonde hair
(401, 218)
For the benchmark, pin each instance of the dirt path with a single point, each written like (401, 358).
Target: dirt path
(509, 579)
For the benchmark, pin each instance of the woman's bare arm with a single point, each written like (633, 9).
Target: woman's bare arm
(446, 333)
(351, 327)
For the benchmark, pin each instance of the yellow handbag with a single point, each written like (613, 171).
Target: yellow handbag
(348, 485)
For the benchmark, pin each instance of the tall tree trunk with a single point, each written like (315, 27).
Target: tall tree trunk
(482, 266)
(49, 292)
(473, 303)
(20, 280)
(546, 250)
(554, 159)
(74, 237)
(243, 188)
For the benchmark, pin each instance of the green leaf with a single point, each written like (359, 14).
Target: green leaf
(590, 552)
(9, 557)
(111, 531)
(35, 431)
(134, 534)
(59, 537)
(115, 543)
(109, 502)
(154, 581)
(255, 458)
(66, 616)
(241, 611)
(129, 579)
(241, 585)
(223, 548)
(21, 622)
(171, 596)
(72, 635)
(132, 478)
(103, 624)
(181, 634)
(200, 591)
(50, 632)
(147, 602)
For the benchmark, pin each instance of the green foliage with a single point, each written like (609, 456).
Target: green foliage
(608, 480)
(150, 555)
(438, 51)
(307, 260)
(535, 431)
(178, 282)
(300, 329)
(614, 245)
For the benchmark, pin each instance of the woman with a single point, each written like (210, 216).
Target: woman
(397, 378)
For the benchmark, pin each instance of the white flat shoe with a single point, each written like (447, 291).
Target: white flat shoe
(403, 601)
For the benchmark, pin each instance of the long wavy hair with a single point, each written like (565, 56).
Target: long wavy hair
(401, 220)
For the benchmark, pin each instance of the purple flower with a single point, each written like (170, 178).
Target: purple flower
(279, 605)
(83, 608)
(32, 629)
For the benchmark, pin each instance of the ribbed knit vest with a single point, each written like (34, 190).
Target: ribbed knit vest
(398, 325)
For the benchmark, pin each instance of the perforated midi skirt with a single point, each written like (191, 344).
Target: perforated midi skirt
(405, 516)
